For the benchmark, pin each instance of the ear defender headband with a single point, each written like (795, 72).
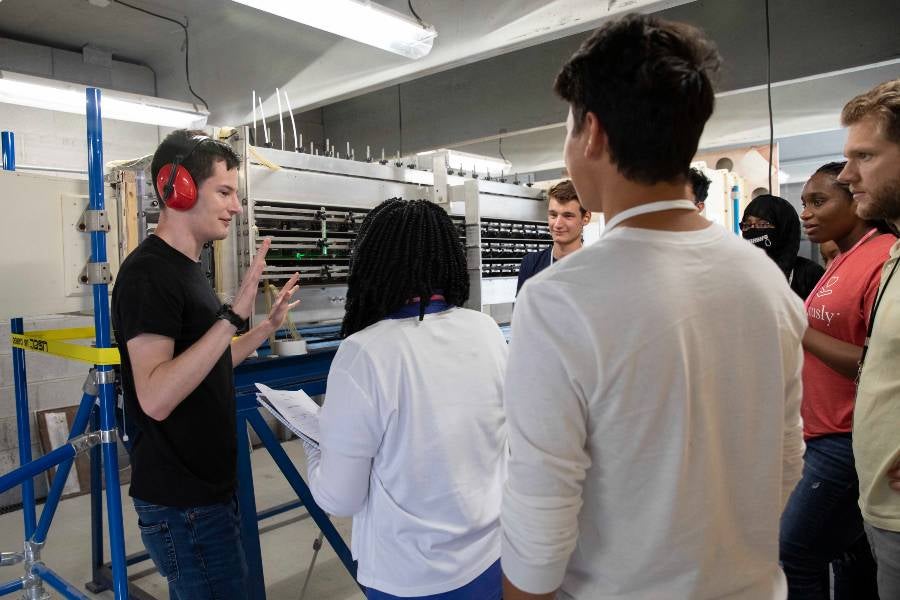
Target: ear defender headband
(174, 183)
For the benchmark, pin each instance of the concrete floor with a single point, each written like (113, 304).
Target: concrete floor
(286, 550)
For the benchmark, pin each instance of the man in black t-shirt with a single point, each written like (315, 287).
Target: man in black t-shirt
(175, 340)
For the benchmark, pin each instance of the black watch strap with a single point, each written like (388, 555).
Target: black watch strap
(232, 317)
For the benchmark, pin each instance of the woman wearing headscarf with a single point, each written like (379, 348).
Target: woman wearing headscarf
(771, 223)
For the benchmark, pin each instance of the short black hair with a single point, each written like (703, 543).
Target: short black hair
(199, 162)
(404, 249)
(699, 184)
(649, 83)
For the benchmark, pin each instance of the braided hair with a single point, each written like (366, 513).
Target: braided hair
(404, 249)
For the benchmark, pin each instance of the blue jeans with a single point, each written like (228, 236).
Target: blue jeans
(486, 586)
(198, 550)
(822, 526)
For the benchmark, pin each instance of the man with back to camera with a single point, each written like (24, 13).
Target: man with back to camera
(566, 218)
(873, 174)
(654, 379)
(175, 338)
(699, 187)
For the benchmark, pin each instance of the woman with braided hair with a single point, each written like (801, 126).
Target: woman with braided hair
(413, 436)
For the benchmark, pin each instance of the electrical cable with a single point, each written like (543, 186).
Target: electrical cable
(415, 14)
(769, 96)
(400, 118)
(187, 47)
(500, 148)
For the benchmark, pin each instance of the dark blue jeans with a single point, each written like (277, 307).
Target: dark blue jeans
(198, 550)
(822, 526)
(487, 586)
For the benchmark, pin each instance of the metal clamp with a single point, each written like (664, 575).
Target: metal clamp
(85, 442)
(95, 272)
(104, 377)
(32, 551)
(94, 220)
(11, 558)
(108, 436)
(90, 386)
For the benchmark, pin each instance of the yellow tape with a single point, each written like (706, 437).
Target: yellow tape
(55, 342)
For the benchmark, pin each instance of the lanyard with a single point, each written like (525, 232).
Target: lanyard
(836, 264)
(862, 357)
(411, 309)
(650, 207)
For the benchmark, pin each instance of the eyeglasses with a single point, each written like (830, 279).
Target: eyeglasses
(757, 224)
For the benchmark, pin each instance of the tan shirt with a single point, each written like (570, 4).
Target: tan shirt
(876, 418)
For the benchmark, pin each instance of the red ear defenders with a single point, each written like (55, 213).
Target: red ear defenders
(174, 183)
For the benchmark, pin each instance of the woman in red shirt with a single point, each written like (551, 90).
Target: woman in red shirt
(822, 524)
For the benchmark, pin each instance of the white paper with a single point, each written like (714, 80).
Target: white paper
(295, 409)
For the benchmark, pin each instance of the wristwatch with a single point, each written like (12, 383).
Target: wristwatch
(228, 314)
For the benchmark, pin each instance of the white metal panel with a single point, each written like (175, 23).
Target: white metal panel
(43, 251)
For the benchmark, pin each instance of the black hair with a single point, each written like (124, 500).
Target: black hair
(648, 82)
(833, 169)
(199, 155)
(699, 184)
(404, 249)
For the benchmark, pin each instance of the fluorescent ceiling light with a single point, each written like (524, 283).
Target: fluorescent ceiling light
(359, 20)
(62, 96)
(476, 163)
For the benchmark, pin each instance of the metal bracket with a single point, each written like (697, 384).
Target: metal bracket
(86, 441)
(11, 558)
(94, 273)
(94, 220)
(90, 386)
(104, 377)
(108, 436)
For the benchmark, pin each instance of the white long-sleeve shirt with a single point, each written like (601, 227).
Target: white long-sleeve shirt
(652, 399)
(413, 445)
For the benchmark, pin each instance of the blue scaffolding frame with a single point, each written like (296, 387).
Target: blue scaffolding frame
(94, 430)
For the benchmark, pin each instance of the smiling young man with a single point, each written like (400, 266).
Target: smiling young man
(566, 218)
(175, 338)
(873, 174)
(653, 387)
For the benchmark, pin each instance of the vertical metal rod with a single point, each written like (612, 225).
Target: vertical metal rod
(23, 414)
(79, 425)
(23, 423)
(97, 556)
(103, 340)
(8, 145)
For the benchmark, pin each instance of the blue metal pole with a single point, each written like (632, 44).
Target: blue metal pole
(38, 465)
(62, 473)
(256, 584)
(103, 339)
(56, 582)
(302, 490)
(23, 422)
(23, 416)
(11, 586)
(8, 145)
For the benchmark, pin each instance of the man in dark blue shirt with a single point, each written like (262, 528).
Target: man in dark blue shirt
(567, 219)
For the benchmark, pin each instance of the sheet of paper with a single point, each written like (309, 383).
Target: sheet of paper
(295, 409)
